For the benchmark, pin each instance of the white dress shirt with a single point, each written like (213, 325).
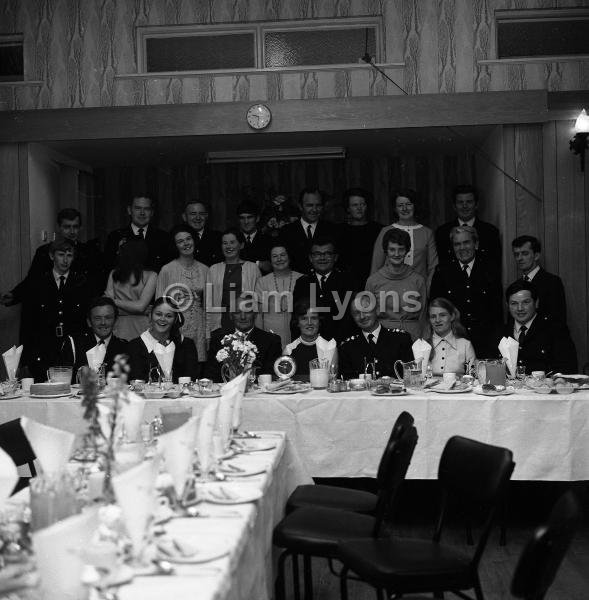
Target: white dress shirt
(450, 353)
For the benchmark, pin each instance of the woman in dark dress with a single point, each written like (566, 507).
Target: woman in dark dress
(162, 345)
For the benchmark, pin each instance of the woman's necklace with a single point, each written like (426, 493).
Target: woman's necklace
(283, 300)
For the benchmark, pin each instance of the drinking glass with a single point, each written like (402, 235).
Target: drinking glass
(319, 372)
(174, 416)
(53, 498)
(59, 374)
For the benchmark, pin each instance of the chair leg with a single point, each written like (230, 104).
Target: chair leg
(279, 584)
(343, 583)
(296, 584)
(308, 577)
(478, 590)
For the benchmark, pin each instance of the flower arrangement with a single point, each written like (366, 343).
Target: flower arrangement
(237, 354)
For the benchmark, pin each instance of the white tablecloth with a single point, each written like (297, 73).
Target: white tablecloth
(342, 435)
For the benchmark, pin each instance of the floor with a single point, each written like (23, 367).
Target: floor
(528, 504)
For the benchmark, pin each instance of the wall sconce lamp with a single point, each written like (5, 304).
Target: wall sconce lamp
(578, 144)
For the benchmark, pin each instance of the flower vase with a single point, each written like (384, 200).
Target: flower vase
(228, 373)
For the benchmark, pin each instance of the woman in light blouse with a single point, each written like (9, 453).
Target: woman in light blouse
(451, 348)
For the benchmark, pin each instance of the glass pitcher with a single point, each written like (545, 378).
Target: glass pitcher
(491, 371)
(410, 373)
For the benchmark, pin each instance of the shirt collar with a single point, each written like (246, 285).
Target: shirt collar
(251, 235)
(106, 339)
(305, 225)
(533, 272)
(136, 229)
(470, 222)
(57, 275)
(528, 324)
(246, 333)
(450, 339)
(320, 275)
(469, 265)
(375, 333)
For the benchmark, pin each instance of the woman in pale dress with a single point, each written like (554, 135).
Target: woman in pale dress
(184, 279)
(451, 348)
(274, 295)
(423, 256)
(132, 288)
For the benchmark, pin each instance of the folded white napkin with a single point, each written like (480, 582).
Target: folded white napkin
(135, 493)
(132, 415)
(8, 476)
(165, 357)
(53, 447)
(58, 549)
(11, 359)
(509, 349)
(240, 382)
(204, 438)
(325, 349)
(177, 448)
(229, 396)
(95, 356)
(421, 351)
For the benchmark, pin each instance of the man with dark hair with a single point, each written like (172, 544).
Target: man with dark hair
(256, 244)
(98, 346)
(465, 205)
(359, 234)
(473, 285)
(375, 348)
(268, 344)
(207, 242)
(299, 235)
(141, 211)
(328, 289)
(551, 298)
(544, 344)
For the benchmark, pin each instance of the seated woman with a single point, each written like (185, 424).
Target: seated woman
(163, 346)
(451, 347)
(309, 344)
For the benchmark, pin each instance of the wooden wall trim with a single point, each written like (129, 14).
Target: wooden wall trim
(25, 223)
(341, 114)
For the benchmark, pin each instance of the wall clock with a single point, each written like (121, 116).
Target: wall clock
(258, 116)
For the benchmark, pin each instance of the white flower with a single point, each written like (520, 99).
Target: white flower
(222, 355)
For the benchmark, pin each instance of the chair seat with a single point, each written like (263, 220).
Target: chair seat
(331, 496)
(405, 565)
(318, 531)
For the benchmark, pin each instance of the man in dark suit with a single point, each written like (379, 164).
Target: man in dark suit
(141, 211)
(473, 285)
(465, 204)
(551, 297)
(268, 344)
(328, 289)
(101, 316)
(544, 344)
(256, 244)
(207, 242)
(300, 234)
(374, 349)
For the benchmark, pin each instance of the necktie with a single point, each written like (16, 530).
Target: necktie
(140, 233)
(248, 240)
(61, 282)
(371, 341)
(309, 232)
(323, 279)
(526, 278)
(465, 270)
(522, 334)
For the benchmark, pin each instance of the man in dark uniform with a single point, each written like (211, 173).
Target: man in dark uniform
(374, 349)
(207, 242)
(256, 244)
(465, 204)
(551, 299)
(56, 304)
(328, 289)
(473, 285)
(300, 234)
(141, 211)
(268, 344)
(544, 344)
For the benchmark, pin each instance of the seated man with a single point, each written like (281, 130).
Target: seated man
(544, 344)
(99, 341)
(268, 344)
(374, 344)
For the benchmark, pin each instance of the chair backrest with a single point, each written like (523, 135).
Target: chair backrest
(399, 453)
(403, 423)
(545, 551)
(15, 443)
(476, 474)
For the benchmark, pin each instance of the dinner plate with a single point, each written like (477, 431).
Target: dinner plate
(283, 391)
(213, 395)
(506, 392)
(240, 471)
(390, 393)
(11, 396)
(214, 549)
(221, 495)
(452, 391)
(45, 396)
(254, 446)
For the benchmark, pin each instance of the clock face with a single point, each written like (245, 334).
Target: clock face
(258, 116)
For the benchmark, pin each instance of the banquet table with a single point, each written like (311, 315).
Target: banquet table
(343, 434)
(246, 571)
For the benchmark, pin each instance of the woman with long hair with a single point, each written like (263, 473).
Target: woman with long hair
(132, 287)
(451, 348)
(162, 347)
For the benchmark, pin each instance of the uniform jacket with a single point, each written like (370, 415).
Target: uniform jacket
(158, 246)
(295, 238)
(489, 242)
(82, 343)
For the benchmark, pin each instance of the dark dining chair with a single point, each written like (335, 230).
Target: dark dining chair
(317, 531)
(15, 443)
(473, 473)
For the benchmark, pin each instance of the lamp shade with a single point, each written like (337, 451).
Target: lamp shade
(582, 123)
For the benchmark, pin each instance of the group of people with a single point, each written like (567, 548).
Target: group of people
(292, 288)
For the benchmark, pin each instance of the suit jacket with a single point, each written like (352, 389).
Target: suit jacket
(258, 249)
(82, 343)
(551, 295)
(338, 283)
(294, 237)
(141, 361)
(547, 346)
(268, 345)
(489, 242)
(355, 353)
(479, 298)
(158, 246)
(207, 248)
